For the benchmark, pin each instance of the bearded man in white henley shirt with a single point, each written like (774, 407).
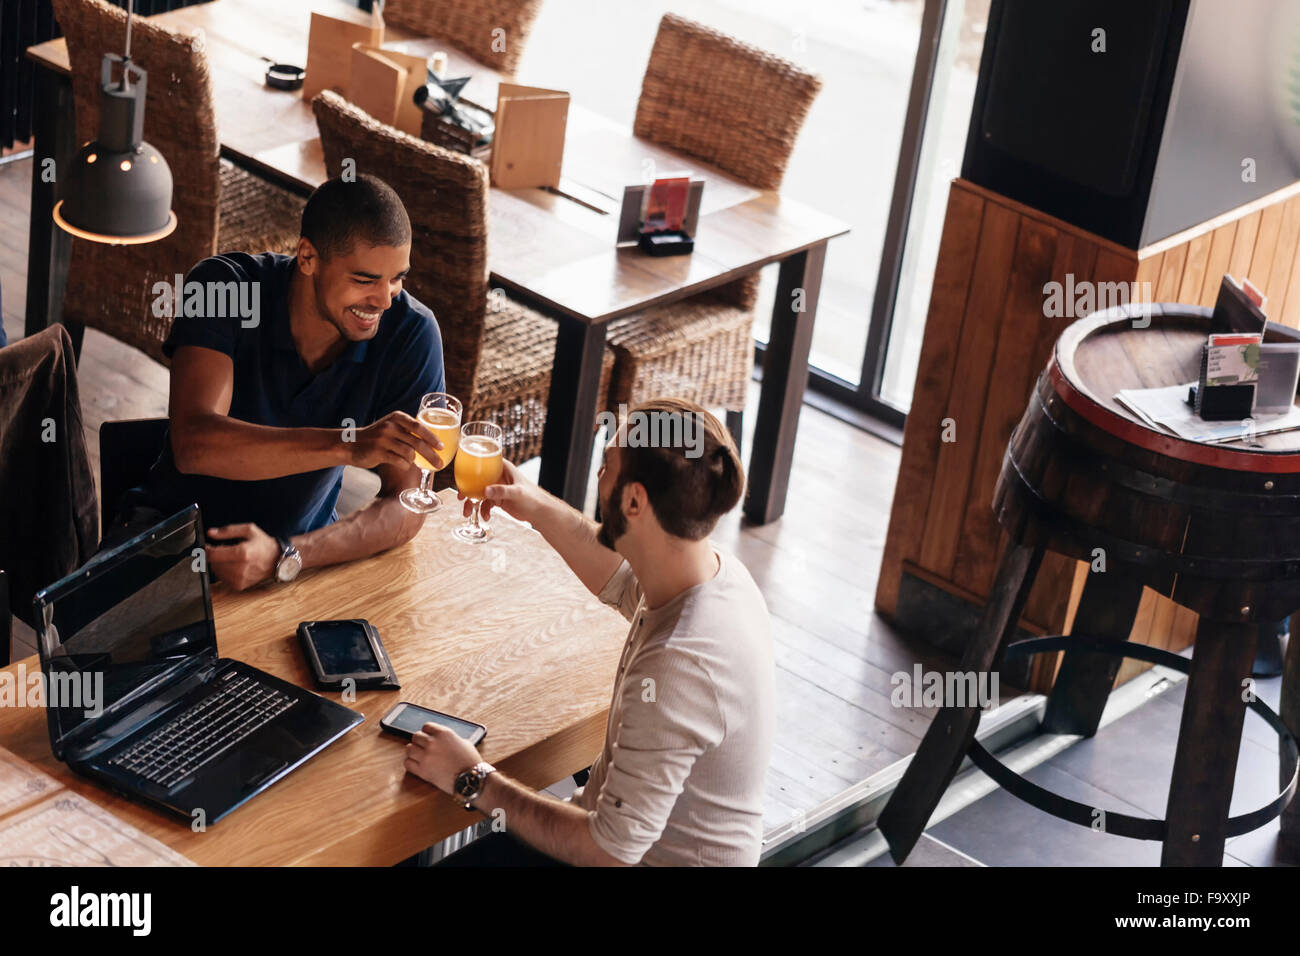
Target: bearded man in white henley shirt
(679, 781)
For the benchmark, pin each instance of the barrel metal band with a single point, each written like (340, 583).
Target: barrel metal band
(1089, 538)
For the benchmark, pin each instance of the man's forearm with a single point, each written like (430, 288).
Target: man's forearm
(573, 535)
(381, 525)
(226, 447)
(552, 826)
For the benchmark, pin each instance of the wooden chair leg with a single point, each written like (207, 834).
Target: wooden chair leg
(1106, 610)
(77, 332)
(736, 425)
(1209, 738)
(1289, 841)
(6, 620)
(948, 738)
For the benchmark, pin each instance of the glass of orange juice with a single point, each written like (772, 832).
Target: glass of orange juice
(478, 464)
(440, 413)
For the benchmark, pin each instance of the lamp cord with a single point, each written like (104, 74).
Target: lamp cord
(130, 7)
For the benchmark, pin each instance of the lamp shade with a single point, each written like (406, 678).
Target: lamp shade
(119, 189)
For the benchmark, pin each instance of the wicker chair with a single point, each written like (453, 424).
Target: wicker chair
(218, 206)
(498, 360)
(739, 109)
(471, 26)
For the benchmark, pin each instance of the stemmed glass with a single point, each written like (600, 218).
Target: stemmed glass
(478, 464)
(441, 413)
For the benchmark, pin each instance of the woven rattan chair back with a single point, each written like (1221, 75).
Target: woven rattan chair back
(493, 32)
(446, 195)
(110, 287)
(726, 103)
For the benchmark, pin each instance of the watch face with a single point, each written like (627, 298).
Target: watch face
(467, 782)
(288, 566)
(470, 781)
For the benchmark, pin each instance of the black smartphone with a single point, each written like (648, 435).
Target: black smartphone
(405, 719)
(339, 651)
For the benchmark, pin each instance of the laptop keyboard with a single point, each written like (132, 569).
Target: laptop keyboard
(237, 707)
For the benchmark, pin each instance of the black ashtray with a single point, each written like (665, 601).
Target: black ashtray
(666, 243)
(284, 76)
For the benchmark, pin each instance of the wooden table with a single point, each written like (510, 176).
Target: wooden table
(1214, 527)
(500, 633)
(554, 250)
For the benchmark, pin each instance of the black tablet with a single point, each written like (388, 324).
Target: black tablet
(341, 651)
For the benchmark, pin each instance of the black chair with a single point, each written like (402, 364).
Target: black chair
(127, 450)
(6, 621)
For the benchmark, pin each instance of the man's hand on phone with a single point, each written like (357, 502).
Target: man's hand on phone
(437, 755)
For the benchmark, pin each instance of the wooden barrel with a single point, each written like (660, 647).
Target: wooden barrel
(1215, 527)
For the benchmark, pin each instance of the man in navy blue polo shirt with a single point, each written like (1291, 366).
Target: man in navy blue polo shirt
(322, 364)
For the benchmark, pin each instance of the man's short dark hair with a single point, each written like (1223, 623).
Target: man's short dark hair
(690, 486)
(342, 213)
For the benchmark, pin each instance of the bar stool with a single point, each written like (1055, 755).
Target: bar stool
(1215, 528)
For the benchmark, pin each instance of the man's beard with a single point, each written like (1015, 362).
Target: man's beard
(613, 524)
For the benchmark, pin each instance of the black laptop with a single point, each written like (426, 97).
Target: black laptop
(137, 697)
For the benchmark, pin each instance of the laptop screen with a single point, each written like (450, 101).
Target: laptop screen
(111, 629)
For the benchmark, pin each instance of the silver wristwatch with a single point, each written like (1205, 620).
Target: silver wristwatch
(290, 563)
(469, 783)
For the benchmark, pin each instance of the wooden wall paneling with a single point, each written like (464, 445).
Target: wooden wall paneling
(1011, 376)
(1075, 256)
(1155, 629)
(1243, 245)
(1162, 623)
(1289, 312)
(1261, 260)
(970, 384)
(1284, 256)
(1149, 271)
(1140, 634)
(918, 463)
(1046, 665)
(1182, 634)
(1169, 280)
(1198, 254)
(1279, 271)
(1216, 265)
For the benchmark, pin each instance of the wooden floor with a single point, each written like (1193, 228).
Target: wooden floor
(817, 566)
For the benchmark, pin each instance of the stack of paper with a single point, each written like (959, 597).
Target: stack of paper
(1166, 410)
(43, 824)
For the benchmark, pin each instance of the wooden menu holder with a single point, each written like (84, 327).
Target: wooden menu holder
(383, 83)
(329, 49)
(528, 145)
